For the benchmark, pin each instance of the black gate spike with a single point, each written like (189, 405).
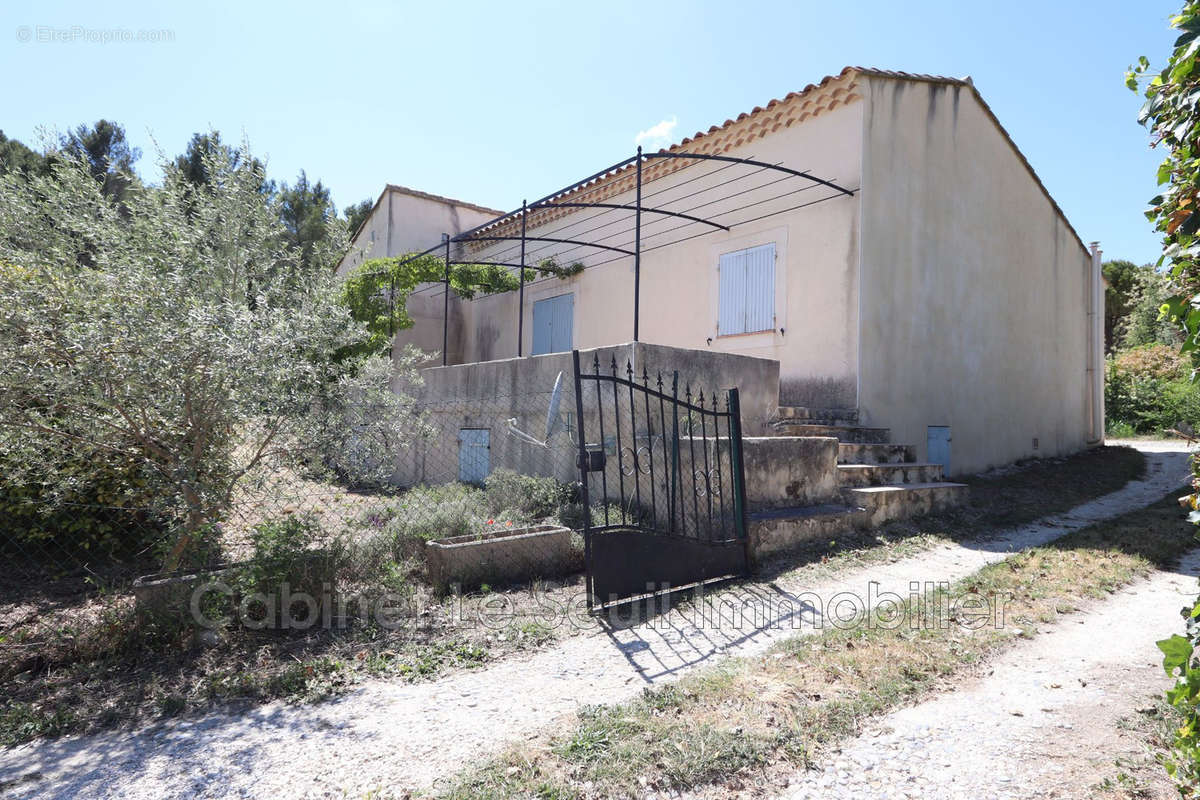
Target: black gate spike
(660, 383)
(628, 370)
(613, 367)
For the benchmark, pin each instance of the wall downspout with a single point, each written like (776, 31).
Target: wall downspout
(1095, 359)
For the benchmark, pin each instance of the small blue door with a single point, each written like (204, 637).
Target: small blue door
(474, 454)
(938, 446)
(553, 319)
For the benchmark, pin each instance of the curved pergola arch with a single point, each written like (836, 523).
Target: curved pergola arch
(487, 232)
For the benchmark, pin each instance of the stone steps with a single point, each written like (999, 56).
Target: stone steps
(855, 434)
(857, 475)
(859, 453)
(902, 501)
(782, 529)
(819, 473)
(823, 415)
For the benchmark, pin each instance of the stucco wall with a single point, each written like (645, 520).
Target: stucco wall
(816, 268)
(975, 292)
(486, 395)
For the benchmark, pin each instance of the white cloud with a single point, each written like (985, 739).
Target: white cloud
(657, 136)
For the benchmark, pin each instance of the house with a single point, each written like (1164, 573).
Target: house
(405, 220)
(877, 234)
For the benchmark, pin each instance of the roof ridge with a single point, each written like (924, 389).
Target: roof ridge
(395, 187)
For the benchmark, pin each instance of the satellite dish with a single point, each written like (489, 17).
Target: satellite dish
(552, 419)
(555, 402)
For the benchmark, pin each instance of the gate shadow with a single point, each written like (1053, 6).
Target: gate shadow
(665, 634)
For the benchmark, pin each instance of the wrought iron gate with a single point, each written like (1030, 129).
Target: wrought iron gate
(662, 483)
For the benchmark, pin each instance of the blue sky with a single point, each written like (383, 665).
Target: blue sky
(494, 101)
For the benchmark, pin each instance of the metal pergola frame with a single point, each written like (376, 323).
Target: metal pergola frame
(480, 232)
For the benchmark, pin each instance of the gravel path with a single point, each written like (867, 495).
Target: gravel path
(1043, 724)
(395, 736)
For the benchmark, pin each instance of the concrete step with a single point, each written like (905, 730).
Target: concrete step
(856, 475)
(824, 415)
(789, 471)
(843, 433)
(782, 529)
(903, 501)
(858, 453)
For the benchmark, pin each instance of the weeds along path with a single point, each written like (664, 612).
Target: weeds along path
(1053, 717)
(389, 736)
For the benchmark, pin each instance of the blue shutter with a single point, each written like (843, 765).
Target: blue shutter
(746, 291)
(553, 321)
(731, 313)
(564, 317)
(760, 288)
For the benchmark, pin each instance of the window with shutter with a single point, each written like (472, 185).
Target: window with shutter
(746, 291)
(553, 321)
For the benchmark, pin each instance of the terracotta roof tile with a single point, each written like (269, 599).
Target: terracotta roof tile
(798, 106)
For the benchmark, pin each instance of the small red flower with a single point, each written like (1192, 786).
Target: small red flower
(491, 522)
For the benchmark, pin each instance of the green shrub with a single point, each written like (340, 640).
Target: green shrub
(571, 515)
(435, 512)
(101, 510)
(1120, 430)
(294, 551)
(1181, 661)
(1149, 390)
(525, 495)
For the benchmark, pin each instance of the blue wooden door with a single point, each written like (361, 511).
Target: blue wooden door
(474, 454)
(938, 446)
(553, 320)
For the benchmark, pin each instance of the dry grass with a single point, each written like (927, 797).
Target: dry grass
(737, 729)
(72, 659)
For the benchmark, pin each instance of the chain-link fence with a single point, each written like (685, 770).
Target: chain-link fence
(483, 495)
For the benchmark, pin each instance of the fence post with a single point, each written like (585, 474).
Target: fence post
(446, 302)
(521, 297)
(392, 317)
(637, 246)
(739, 475)
(583, 479)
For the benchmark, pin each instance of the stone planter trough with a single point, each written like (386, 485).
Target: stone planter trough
(502, 556)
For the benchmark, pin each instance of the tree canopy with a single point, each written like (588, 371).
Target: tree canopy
(356, 214)
(107, 153)
(15, 156)
(307, 212)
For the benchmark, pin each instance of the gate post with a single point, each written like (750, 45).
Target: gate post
(739, 475)
(583, 481)
(446, 304)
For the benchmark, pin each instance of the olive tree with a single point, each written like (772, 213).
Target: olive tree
(182, 334)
